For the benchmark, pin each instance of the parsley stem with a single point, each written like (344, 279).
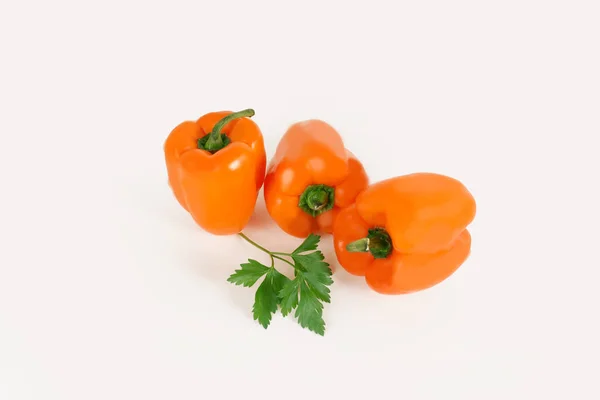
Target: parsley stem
(281, 254)
(253, 243)
(271, 254)
(283, 259)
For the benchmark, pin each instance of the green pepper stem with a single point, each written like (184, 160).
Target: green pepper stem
(378, 242)
(316, 199)
(215, 140)
(358, 246)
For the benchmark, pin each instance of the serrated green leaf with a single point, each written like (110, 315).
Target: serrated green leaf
(310, 311)
(248, 274)
(310, 243)
(288, 296)
(313, 262)
(319, 288)
(266, 300)
(279, 282)
(306, 293)
(317, 273)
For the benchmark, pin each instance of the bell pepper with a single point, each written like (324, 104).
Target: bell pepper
(406, 233)
(216, 167)
(310, 178)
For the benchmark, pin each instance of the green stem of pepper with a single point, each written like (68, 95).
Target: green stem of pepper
(378, 242)
(216, 140)
(316, 199)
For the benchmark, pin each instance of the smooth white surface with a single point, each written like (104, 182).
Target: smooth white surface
(109, 291)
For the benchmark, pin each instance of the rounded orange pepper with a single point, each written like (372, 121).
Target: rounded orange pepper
(406, 233)
(216, 167)
(310, 178)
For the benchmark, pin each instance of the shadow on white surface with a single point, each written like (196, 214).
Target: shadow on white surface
(260, 218)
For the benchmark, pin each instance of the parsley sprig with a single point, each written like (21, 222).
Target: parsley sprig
(305, 294)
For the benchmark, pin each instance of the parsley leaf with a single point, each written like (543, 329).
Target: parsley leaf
(318, 287)
(306, 293)
(265, 303)
(313, 262)
(313, 276)
(310, 243)
(248, 274)
(279, 282)
(316, 273)
(266, 299)
(289, 296)
(310, 311)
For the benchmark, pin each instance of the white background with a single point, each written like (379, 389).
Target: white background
(109, 291)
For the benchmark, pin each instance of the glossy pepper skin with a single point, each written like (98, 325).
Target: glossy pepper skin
(406, 233)
(218, 187)
(311, 178)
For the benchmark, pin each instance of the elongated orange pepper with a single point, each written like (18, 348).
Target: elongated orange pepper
(216, 167)
(310, 178)
(407, 233)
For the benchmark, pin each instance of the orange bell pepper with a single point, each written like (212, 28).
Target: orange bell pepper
(310, 178)
(406, 233)
(216, 167)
